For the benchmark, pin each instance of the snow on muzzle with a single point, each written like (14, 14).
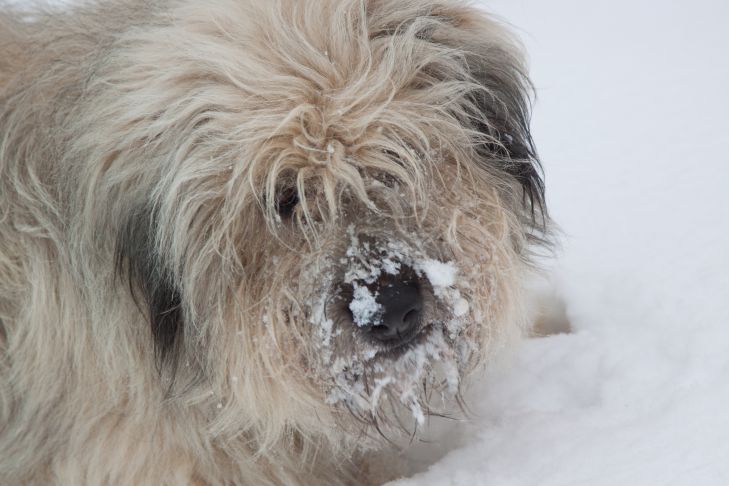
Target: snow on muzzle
(390, 309)
(392, 291)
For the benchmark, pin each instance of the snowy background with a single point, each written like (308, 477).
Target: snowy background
(631, 123)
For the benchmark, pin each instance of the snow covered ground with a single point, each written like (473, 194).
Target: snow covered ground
(631, 123)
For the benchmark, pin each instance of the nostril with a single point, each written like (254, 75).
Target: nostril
(411, 315)
(401, 305)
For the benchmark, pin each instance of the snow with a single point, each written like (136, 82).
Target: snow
(440, 274)
(631, 125)
(364, 307)
(460, 307)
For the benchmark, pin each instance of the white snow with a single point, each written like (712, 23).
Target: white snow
(440, 274)
(631, 123)
(364, 307)
(460, 307)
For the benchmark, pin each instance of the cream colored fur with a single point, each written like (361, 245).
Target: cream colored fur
(143, 146)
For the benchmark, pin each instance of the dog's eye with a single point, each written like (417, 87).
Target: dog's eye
(286, 200)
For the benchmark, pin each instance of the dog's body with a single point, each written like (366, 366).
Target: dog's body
(321, 209)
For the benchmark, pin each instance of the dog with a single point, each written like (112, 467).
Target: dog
(254, 241)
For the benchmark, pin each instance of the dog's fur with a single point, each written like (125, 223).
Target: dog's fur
(187, 190)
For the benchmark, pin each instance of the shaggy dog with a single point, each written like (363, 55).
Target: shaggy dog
(253, 241)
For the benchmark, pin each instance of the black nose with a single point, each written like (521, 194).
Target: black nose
(402, 306)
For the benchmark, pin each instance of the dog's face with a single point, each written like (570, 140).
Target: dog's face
(324, 208)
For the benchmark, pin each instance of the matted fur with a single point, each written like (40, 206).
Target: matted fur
(185, 188)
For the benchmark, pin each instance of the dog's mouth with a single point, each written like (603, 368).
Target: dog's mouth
(376, 377)
(392, 327)
(395, 349)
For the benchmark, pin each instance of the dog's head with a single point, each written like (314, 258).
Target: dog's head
(324, 208)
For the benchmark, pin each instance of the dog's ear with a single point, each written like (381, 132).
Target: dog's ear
(500, 111)
(498, 107)
(151, 285)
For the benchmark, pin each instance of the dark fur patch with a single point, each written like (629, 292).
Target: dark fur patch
(151, 285)
(503, 111)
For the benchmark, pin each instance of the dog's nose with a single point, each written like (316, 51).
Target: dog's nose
(402, 306)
